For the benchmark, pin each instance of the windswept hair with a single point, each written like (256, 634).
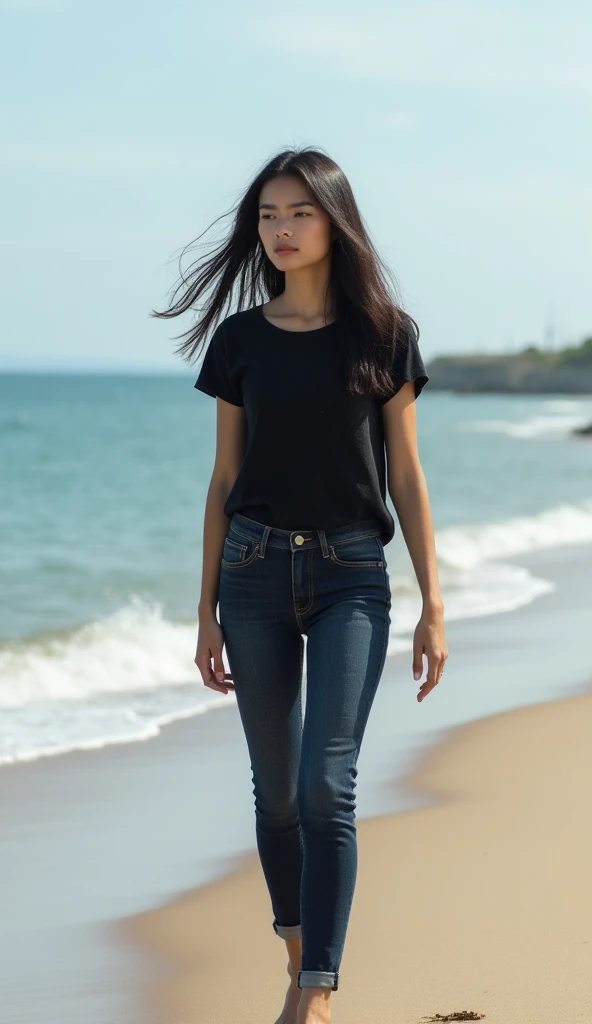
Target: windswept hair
(360, 290)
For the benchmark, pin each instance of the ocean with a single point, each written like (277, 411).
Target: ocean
(103, 487)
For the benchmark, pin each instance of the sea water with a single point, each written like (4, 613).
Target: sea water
(103, 482)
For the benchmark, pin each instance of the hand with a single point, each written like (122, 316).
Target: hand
(210, 641)
(429, 639)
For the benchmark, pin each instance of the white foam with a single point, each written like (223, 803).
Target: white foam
(133, 649)
(111, 681)
(460, 548)
(46, 730)
(563, 415)
(475, 581)
(488, 589)
(121, 678)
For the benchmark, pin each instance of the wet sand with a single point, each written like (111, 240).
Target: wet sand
(481, 902)
(474, 895)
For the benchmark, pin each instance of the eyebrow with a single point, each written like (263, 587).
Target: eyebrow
(272, 206)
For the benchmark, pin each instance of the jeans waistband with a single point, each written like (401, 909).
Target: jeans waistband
(298, 540)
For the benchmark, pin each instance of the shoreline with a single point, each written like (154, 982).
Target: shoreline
(478, 901)
(152, 709)
(94, 841)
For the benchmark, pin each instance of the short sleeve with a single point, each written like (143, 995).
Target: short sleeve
(407, 364)
(216, 377)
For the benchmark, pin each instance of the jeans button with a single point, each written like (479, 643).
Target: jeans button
(299, 539)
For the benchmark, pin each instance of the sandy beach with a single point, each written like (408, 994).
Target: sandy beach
(135, 893)
(164, 364)
(479, 903)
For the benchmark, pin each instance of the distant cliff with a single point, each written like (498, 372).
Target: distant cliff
(531, 371)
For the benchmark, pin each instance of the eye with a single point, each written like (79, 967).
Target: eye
(299, 213)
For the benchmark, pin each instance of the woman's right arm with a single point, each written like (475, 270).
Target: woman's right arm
(230, 440)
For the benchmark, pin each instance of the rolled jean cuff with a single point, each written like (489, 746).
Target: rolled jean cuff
(323, 979)
(288, 931)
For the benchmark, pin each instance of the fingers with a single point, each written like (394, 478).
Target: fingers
(435, 670)
(219, 671)
(215, 678)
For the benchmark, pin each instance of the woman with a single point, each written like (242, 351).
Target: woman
(312, 387)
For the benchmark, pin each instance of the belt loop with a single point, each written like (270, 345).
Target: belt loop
(263, 543)
(323, 540)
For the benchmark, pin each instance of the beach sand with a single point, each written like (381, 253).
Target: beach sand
(472, 890)
(481, 902)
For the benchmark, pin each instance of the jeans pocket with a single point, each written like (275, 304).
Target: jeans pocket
(364, 553)
(238, 551)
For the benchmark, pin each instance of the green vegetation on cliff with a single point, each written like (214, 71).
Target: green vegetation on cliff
(534, 370)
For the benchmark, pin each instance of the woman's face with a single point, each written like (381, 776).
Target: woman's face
(289, 215)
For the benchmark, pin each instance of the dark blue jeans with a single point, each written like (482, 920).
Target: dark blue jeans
(333, 586)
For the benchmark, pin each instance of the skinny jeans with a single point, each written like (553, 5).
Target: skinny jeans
(275, 587)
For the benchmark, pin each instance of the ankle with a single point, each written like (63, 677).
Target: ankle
(316, 993)
(294, 951)
(315, 1005)
(293, 968)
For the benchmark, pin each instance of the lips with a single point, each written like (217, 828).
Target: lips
(285, 248)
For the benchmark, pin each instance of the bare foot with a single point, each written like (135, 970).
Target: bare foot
(290, 1009)
(315, 1006)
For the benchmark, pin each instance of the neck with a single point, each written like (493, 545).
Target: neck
(305, 293)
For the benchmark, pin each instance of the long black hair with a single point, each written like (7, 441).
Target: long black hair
(372, 322)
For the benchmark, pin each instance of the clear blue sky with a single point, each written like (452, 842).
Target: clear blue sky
(127, 128)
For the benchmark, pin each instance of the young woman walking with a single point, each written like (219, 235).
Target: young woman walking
(313, 386)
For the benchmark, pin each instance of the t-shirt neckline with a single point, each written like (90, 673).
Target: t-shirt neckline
(283, 330)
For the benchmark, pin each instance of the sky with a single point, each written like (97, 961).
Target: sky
(127, 129)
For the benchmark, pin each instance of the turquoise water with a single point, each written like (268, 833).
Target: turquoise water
(104, 482)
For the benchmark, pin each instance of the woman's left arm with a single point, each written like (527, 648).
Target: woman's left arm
(409, 494)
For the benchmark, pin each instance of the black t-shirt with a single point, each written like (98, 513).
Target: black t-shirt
(315, 455)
